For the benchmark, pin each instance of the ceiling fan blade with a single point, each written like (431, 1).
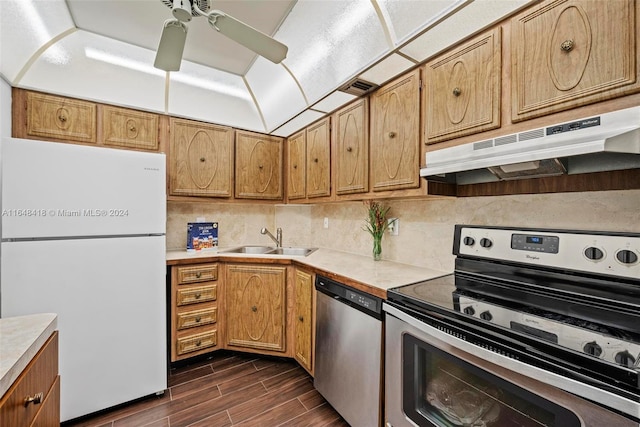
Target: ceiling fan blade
(248, 36)
(169, 54)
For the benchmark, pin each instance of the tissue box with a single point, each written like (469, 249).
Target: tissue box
(202, 236)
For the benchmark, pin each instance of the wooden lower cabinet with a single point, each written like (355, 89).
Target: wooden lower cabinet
(194, 310)
(39, 382)
(255, 307)
(304, 319)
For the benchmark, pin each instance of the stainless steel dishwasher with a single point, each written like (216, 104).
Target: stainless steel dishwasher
(348, 370)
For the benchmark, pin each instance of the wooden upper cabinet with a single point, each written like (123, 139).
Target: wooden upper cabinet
(256, 307)
(569, 53)
(319, 159)
(201, 159)
(129, 128)
(462, 93)
(258, 166)
(296, 165)
(395, 134)
(351, 133)
(60, 118)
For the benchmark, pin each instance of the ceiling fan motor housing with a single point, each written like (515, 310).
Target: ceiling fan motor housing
(182, 10)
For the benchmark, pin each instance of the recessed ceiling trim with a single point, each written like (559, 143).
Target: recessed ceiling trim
(385, 19)
(39, 52)
(256, 103)
(304, 95)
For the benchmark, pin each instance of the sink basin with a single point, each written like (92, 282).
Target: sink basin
(251, 250)
(293, 251)
(270, 250)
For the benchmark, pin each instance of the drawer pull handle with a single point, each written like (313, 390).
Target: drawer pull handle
(197, 296)
(456, 91)
(300, 318)
(35, 399)
(198, 274)
(567, 45)
(198, 319)
(254, 308)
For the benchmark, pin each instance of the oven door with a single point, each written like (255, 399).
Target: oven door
(433, 378)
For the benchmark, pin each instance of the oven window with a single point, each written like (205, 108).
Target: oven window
(442, 390)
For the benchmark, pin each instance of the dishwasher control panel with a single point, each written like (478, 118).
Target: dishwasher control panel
(355, 298)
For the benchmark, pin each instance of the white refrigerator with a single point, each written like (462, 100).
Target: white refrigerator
(83, 236)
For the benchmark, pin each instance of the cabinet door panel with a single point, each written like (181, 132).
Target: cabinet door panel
(318, 159)
(258, 166)
(568, 53)
(128, 128)
(352, 148)
(256, 309)
(395, 111)
(463, 89)
(60, 118)
(296, 155)
(202, 159)
(303, 321)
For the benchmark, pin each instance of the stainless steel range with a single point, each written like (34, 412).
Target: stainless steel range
(535, 327)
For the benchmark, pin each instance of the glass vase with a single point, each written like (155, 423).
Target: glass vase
(377, 248)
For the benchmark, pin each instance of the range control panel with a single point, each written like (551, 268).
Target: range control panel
(616, 254)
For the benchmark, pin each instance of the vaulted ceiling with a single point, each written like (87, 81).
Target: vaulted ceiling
(104, 50)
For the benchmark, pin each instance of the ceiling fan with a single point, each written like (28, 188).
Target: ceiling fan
(174, 34)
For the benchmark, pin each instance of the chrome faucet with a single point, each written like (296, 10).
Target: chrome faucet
(278, 239)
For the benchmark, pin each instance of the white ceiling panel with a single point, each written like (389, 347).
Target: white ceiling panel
(276, 92)
(330, 42)
(471, 18)
(297, 123)
(409, 17)
(27, 26)
(210, 95)
(100, 69)
(386, 69)
(334, 101)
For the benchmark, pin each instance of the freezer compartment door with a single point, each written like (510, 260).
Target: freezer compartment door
(110, 298)
(55, 189)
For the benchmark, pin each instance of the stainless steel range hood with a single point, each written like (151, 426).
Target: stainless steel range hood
(610, 141)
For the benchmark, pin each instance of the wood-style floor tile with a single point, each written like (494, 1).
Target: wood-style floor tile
(228, 389)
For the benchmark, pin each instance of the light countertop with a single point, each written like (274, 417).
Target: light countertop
(21, 338)
(359, 271)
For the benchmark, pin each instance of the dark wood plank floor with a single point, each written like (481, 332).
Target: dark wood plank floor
(229, 389)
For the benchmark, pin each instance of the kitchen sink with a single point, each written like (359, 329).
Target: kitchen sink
(270, 250)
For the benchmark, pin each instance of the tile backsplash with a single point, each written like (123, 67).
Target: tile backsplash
(426, 226)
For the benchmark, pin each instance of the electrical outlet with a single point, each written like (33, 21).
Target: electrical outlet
(326, 223)
(394, 226)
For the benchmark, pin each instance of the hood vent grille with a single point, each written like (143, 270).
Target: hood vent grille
(358, 87)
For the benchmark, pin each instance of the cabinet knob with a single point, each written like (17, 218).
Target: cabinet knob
(132, 128)
(260, 167)
(300, 318)
(62, 118)
(254, 308)
(456, 91)
(315, 160)
(198, 274)
(295, 166)
(202, 159)
(198, 343)
(198, 319)
(197, 296)
(35, 399)
(567, 45)
(349, 149)
(392, 134)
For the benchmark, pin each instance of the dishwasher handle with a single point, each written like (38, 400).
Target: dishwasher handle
(354, 298)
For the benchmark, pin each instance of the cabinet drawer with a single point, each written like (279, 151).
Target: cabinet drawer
(60, 118)
(197, 342)
(198, 273)
(34, 382)
(189, 319)
(196, 295)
